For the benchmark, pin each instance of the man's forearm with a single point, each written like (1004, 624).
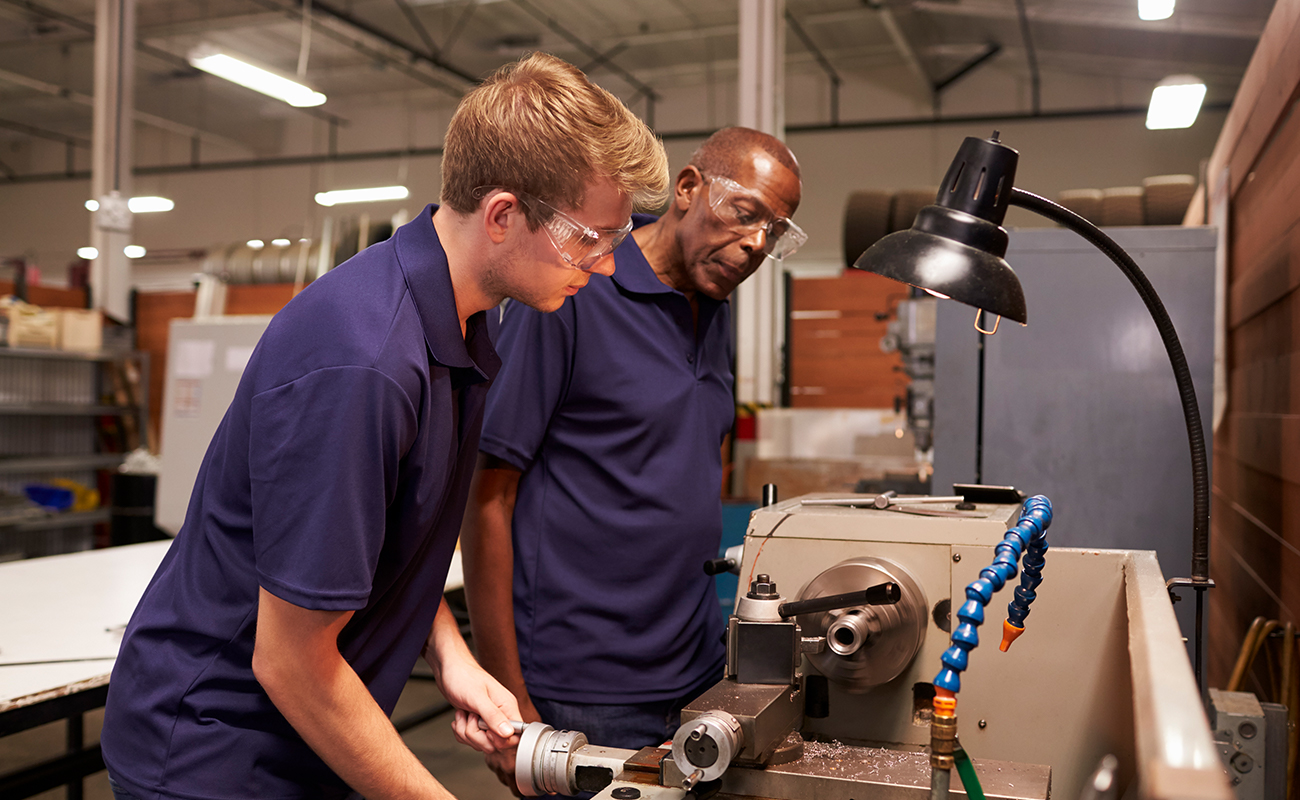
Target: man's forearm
(327, 704)
(488, 551)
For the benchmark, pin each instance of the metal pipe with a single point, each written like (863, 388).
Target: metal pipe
(939, 781)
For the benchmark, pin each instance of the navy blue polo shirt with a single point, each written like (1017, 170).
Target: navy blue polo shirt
(336, 481)
(615, 410)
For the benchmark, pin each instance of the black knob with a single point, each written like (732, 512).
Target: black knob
(717, 566)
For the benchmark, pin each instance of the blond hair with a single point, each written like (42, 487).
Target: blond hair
(539, 126)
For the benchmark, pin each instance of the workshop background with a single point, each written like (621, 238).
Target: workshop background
(874, 96)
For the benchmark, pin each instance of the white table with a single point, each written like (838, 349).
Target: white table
(61, 624)
(62, 619)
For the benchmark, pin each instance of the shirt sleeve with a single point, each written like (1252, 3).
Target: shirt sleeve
(536, 351)
(324, 455)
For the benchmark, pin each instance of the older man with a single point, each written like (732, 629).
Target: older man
(271, 646)
(597, 493)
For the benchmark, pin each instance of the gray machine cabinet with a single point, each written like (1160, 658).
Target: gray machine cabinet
(1081, 405)
(205, 360)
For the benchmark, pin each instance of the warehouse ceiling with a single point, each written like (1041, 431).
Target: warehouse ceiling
(368, 54)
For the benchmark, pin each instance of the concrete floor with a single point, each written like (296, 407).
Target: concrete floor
(459, 768)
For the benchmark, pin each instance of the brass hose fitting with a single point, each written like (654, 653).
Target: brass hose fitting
(943, 731)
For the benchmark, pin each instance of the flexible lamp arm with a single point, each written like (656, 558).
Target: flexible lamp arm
(1182, 375)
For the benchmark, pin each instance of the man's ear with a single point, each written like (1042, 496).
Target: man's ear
(687, 188)
(500, 212)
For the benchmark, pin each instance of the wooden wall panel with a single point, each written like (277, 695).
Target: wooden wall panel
(257, 298)
(835, 356)
(154, 312)
(1255, 525)
(49, 296)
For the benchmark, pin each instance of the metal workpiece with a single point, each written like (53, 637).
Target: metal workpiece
(867, 645)
(766, 715)
(704, 747)
(562, 762)
(835, 771)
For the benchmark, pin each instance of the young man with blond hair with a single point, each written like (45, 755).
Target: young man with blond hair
(271, 646)
(597, 500)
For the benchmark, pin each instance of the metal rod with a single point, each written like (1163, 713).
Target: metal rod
(993, 50)
(1035, 81)
(882, 594)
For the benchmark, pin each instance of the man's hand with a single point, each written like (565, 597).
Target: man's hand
(474, 693)
(502, 762)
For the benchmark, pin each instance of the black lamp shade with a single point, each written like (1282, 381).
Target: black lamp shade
(956, 246)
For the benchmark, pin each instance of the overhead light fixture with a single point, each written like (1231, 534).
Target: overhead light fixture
(281, 242)
(88, 253)
(133, 251)
(140, 205)
(256, 78)
(371, 195)
(1151, 10)
(956, 248)
(1175, 102)
(256, 244)
(149, 204)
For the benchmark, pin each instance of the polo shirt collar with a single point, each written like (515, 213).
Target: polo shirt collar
(424, 266)
(633, 273)
(631, 270)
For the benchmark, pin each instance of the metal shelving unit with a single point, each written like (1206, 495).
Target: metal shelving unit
(53, 406)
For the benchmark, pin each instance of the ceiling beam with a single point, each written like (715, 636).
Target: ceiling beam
(1225, 26)
(141, 46)
(153, 120)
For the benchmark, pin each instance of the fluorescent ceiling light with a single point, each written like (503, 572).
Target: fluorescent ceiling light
(1175, 102)
(88, 253)
(362, 195)
(140, 205)
(133, 251)
(256, 78)
(1155, 9)
(281, 242)
(256, 244)
(149, 204)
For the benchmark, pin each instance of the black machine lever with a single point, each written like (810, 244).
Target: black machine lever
(882, 594)
(717, 566)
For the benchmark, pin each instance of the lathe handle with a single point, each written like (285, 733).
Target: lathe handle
(717, 566)
(882, 594)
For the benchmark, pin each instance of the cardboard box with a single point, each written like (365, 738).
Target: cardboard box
(81, 330)
(33, 326)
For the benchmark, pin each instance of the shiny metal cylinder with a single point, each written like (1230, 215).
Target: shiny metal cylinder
(850, 631)
(542, 760)
(706, 745)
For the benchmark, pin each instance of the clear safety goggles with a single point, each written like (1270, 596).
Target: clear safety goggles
(740, 210)
(579, 245)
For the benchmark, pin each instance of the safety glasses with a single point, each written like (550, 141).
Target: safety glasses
(579, 245)
(741, 210)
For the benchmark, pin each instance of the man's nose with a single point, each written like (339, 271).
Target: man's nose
(754, 241)
(603, 266)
